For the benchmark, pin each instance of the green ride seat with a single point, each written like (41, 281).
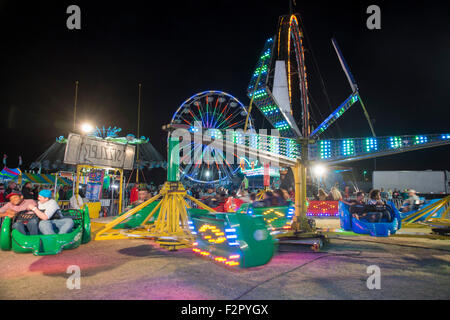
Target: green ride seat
(47, 244)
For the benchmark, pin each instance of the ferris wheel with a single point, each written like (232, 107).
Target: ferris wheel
(214, 112)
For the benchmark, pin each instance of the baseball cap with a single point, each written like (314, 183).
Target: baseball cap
(45, 193)
(13, 193)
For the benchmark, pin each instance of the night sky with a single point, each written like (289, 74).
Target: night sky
(178, 48)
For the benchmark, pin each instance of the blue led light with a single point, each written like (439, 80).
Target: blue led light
(421, 139)
(325, 149)
(371, 144)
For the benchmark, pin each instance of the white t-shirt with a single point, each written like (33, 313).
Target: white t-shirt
(49, 207)
(73, 202)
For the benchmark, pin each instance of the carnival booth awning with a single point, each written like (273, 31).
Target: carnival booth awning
(8, 173)
(53, 157)
(45, 179)
(33, 177)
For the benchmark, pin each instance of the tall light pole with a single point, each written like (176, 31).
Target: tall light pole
(75, 106)
(138, 132)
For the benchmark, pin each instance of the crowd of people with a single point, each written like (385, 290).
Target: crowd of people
(389, 195)
(30, 191)
(378, 203)
(225, 199)
(220, 198)
(40, 201)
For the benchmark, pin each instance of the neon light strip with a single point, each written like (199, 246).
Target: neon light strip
(336, 114)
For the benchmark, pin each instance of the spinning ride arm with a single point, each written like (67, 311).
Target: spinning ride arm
(337, 151)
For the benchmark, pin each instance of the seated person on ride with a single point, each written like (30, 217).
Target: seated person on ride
(322, 195)
(412, 203)
(243, 195)
(375, 200)
(143, 195)
(46, 210)
(233, 202)
(334, 195)
(282, 197)
(359, 201)
(220, 202)
(18, 204)
(209, 197)
(210, 193)
(268, 200)
(75, 202)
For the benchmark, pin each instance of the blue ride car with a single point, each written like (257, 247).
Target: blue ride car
(384, 228)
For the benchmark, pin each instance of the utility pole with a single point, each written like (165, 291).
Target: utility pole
(138, 132)
(75, 106)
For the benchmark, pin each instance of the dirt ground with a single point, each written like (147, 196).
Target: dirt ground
(410, 268)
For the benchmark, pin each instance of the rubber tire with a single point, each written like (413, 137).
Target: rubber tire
(86, 236)
(5, 234)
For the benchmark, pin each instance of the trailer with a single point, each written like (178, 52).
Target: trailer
(424, 182)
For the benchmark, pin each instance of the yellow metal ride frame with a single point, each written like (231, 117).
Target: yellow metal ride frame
(171, 226)
(442, 221)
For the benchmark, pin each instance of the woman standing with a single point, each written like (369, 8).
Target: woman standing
(322, 195)
(27, 191)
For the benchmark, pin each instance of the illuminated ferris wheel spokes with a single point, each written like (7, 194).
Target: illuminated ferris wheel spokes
(212, 112)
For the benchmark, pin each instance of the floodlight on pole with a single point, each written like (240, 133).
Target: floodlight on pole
(87, 128)
(319, 170)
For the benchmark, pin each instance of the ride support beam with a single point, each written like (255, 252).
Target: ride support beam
(300, 222)
(120, 191)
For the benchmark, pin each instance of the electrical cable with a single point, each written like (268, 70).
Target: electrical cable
(320, 75)
(317, 107)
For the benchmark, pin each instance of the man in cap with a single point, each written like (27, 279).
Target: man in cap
(18, 204)
(46, 209)
(412, 203)
(12, 186)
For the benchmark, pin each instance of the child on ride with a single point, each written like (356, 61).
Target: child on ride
(375, 200)
(46, 210)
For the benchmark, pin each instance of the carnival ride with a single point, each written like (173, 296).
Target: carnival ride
(277, 85)
(384, 228)
(40, 245)
(434, 213)
(214, 112)
(54, 158)
(245, 238)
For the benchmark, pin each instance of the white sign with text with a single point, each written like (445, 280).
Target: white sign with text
(96, 152)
